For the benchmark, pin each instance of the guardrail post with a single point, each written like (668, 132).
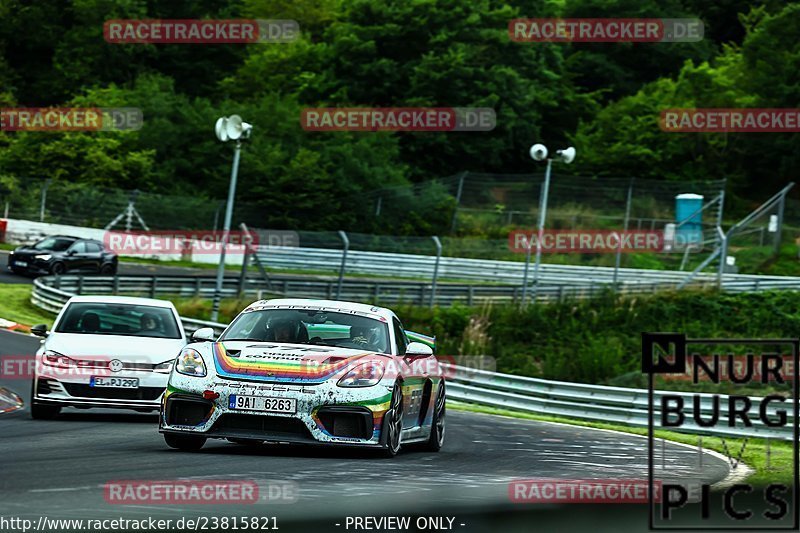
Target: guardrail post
(330, 290)
(346, 243)
(57, 282)
(376, 292)
(115, 285)
(198, 286)
(421, 294)
(470, 295)
(435, 268)
(79, 287)
(243, 273)
(153, 285)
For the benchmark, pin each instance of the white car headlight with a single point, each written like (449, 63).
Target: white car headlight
(190, 363)
(43, 257)
(165, 367)
(51, 358)
(363, 375)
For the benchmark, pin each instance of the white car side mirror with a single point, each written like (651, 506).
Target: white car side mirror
(203, 335)
(417, 349)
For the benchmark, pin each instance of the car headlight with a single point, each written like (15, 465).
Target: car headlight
(165, 367)
(363, 375)
(51, 358)
(190, 363)
(43, 257)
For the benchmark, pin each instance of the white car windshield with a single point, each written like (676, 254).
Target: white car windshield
(119, 319)
(308, 326)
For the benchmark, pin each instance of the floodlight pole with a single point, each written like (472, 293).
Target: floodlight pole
(540, 234)
(226, 230)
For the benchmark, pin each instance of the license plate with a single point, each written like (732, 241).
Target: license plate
(21, 264)
(118, 383)
(261, 403)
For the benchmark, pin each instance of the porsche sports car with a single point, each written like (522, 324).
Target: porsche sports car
(106, 351)
(307, 372)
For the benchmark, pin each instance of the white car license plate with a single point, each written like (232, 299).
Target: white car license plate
(21, 264)
(119, 383)
(261, 403)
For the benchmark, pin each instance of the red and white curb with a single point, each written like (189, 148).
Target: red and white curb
(13, 326)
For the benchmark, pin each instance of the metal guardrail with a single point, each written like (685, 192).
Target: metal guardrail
(597, 403)
(387, 292)
(509, 272)
(531, 395)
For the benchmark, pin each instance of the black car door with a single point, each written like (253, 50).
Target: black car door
(76, 257)
(94, 256)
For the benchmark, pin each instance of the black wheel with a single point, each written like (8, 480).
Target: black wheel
(44, 412)
(108, 270)
(184, 442)
(393, 424)
(436, 440)
(58, 269)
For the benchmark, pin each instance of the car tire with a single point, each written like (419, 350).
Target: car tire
(436, 440)
(41, 411)
(184, 442)
(108, 270)
(393, 423)
(58, 268)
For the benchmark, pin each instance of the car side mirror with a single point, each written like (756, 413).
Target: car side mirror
(203, 335)
(40, 330)
(71, 252)
(417, 349)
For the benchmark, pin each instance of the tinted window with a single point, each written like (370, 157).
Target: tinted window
(93, 248)
(79, 247)
(309, 326)
(55, 244)
(119, 319)
(400, 337)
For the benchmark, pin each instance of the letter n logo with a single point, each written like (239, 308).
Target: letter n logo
(663, 353)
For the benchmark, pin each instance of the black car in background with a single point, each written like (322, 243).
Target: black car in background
(60, 254)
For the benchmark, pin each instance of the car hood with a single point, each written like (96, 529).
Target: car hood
(287, 363)
(122, 347)
(27, 250)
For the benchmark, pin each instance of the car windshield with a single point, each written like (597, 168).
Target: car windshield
(119, 319)
(55, 244)
(308, 326)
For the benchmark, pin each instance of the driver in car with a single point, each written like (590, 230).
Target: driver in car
(285, 331)
(148, 322)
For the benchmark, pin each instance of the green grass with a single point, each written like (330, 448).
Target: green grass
(754, 456)
(15, 305)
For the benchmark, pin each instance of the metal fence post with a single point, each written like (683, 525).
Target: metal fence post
(153, 285)
(618, 259)
(346, 243)
(435, 268)
(779, 229)
(458, 201)
(45, 185)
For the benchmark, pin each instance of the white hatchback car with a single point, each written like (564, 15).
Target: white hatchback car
(106, 351)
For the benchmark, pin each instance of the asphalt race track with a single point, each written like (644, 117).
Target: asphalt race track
(58, 468)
